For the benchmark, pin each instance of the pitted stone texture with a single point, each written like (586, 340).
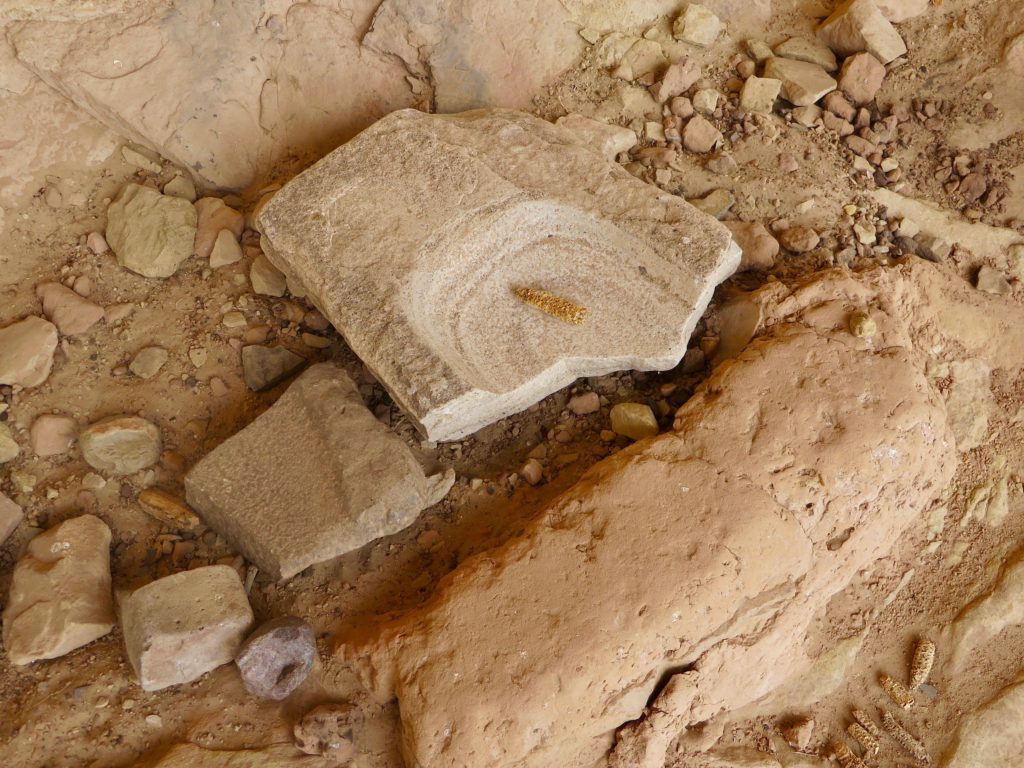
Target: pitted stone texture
(26, 351)
(151, 234)
(567, 668)
(178, 628)
(411, 238)
(352, 482)
(60, 593)
(277, 657)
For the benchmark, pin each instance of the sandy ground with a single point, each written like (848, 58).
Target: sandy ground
(85, 709)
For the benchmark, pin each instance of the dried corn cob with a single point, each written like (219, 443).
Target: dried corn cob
(910, 745)
(896, 691)
(844, 755)
(865, 722)
(869, 742)
(564, 309)
(921, 667)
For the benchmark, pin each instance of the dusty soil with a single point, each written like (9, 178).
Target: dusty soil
(85, 709)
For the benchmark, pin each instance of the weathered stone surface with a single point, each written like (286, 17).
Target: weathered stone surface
(697, 25)
(10, 517)
(26, 351)
(813, 51)
(607, 140)
(71, 313)
(181, 186)
(861, 77)
(518, 206)
(858, 25)
(213, 216)
(178, 628)
(120, 445)
(148, 361)
(759, 246)
(150, 233)
(803, 83)
(277, 657)
(226, 250)
(52, 434)
(266, 278)
(329, 730)
(759, 94)
(60, 593)
(354, 481)
(265, 367)
(988, 615)
(754, 521)
(993, 735)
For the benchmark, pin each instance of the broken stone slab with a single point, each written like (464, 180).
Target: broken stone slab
(168, 509)
(432, 325)
(150, 233)
(353, 482)
(60, 595)
(213, 216)
(10, 518)
(277, 657)
(266, 367)
(861, 77)
(858, 25)
(226, 250)
(26, 351)
(676, 80)
(813, 51)
(120, 445)
(803, 83)
(759, 94)
(697, 25)
(178, 628)
(756, 527)
(993, 735)
(71, 313)
(607, 140)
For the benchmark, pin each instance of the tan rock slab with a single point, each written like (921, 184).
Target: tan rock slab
(859, 25)
(804, 49)
(803, 83)
(697, 25)
(676, 80)
(353, 482)
(430, 315)
(60, 595)
(71, 313)
(151, 234)
(993, 735)
(759, 94)
(120, 445)
(178, 628)
(265, 278)
(988, 615)
(633, 420)
(52, 434)
(759, 246)
(700, 135)
(266, 367)
(26, 351)
(861, 77)
(10, 518)
(148, 361)
(607, 140)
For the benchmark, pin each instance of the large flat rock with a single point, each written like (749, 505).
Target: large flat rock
(351, 482)
(412, 238)
(715, 544)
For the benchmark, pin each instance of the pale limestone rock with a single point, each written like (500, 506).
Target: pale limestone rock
(266, 278)
(803, 83)
(804, 49)
(755, 518)
(71, 313)
(181, 186)
(226, 250)
(607, 140)
(643, 60)
(697, 25)
(265, 367)
(676, 80)
(96, 243)
(715, 203)
(760, 50)
(759, 246)
(858, 25)
(26, 351)
(981, 621)
(9, 449)
(120, 445)
(150, 233)
(353, 482)
(969, 402)
(214, 215)
(634, 420)
(993, 735)
(10, 518)
(148, 361)
(421, 284)
(759, 94)
(52, 434)
(178, 628)
(705, 101)
(60, 593)
(139, 160)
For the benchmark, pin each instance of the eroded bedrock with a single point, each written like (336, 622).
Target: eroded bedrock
(797, 464)
(413, 238)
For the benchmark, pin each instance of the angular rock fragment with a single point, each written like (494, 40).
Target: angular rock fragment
(759, 94)
(759, 246)
(992, 281)
(151, 234)
(26, 351)
(601, 571)
(803, 83)
(858, 25)
(677, 79)
(265, 367)
(9, 448)
(178, 628)
(813, 51)
(148, 362)
(120, 445)
(352, 482)
(226, 250)
(607, 140)
(60, 595)
(168, 509)
(861, 77)
(634, 420)
(52, 434)
(10, 517)
(214, 216)
(1000, 607)
(71, 313)
(275, 659)
(265, 278)
(181, 186)
(700, 136)
(697, 25)
(422, 282)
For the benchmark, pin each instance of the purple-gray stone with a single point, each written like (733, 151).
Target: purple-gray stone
(277, 657)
